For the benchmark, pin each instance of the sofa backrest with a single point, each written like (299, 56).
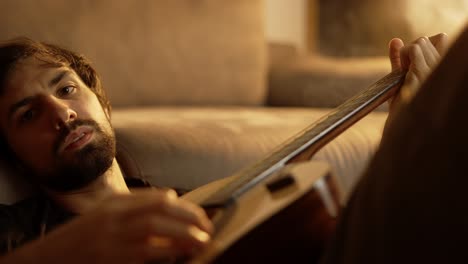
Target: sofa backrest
(156, 52)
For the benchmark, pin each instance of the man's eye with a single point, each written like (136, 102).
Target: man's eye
(66, 90)
(27, 116)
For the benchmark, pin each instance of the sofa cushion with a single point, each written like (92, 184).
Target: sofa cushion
(189, 147)
(323, 81)
(156, 52)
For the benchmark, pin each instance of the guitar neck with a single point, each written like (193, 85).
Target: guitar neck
(307, 142)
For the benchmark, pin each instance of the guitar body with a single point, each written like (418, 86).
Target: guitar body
(287, 218)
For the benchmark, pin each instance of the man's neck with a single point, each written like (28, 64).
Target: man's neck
(88, 197)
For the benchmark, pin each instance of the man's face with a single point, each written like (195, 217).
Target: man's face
(55, 125)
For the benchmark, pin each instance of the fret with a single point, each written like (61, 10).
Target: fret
(307, 138)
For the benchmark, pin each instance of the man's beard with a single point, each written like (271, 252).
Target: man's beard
(86, 165)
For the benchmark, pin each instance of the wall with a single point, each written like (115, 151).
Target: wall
(364, 27)
(285, 22)
(359, 27)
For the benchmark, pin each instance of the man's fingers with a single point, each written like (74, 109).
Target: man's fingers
(132, 219)
(418, 65)
(180, 231)
(157, 202)
(429, 52)
(168, 229)
(440, 42)
(190, 213)
(142, 201)
(394, 47)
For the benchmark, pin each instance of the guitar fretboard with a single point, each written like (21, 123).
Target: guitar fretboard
(340, 118)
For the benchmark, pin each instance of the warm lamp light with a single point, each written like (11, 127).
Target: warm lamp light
(434, 16)
(364, 27)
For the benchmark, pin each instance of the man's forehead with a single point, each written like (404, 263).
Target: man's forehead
(27, 74)
(26, 78)
(33, 69)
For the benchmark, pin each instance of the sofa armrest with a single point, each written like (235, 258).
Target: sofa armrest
(320, 81)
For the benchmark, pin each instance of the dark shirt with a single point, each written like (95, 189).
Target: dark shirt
(34, 217)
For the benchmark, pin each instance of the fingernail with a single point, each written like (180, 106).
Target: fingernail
(170, 192)
(199, 234)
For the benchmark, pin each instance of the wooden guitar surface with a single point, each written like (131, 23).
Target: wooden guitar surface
(246, 229)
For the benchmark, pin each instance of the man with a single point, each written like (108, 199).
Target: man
(54, 123)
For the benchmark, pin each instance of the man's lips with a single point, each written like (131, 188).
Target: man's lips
(77, 138)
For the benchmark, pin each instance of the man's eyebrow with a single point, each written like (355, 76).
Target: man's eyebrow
(18, 105)
(58, 77)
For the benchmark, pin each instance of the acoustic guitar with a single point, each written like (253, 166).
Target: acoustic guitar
(283, 209)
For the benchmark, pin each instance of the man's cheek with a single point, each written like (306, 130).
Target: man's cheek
(34, 152)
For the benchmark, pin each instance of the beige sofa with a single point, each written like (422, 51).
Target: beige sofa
(197, 91)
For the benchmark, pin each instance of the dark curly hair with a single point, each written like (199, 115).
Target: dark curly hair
(15, 50)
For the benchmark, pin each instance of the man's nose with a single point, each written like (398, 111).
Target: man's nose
(60, 112)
